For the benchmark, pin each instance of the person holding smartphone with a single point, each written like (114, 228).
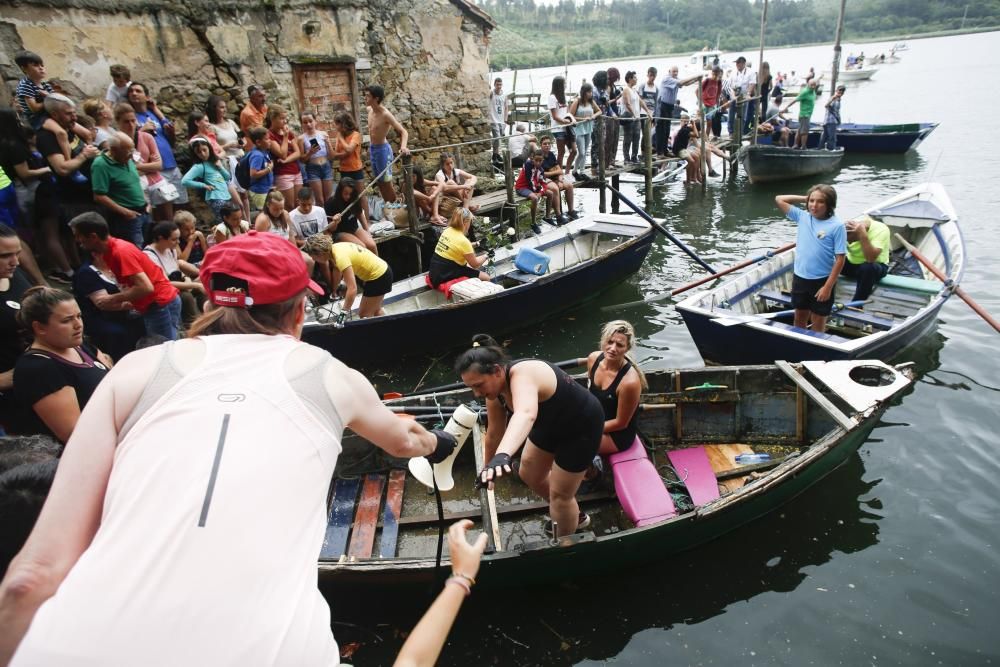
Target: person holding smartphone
(316, 154)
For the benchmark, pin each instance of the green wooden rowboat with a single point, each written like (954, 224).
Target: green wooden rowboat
(809, 417)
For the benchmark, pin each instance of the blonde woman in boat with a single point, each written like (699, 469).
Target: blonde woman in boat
(454, 256)
(616, 380)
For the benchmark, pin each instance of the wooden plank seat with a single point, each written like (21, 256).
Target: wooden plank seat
(853, 315)
(492, 201)
(815, 334)
(345, 492)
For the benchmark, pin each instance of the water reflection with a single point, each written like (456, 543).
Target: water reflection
(597, 619)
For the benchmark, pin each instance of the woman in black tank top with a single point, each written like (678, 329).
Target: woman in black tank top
(616, 382)
(531, 402)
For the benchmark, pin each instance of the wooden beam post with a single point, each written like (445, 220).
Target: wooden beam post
(411, 205)
(508, 177)
(647, 151)
(598, 145)
(704, 135)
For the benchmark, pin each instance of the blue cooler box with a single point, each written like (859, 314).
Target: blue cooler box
(532, 261)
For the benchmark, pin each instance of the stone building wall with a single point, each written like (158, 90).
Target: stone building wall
(430, 55)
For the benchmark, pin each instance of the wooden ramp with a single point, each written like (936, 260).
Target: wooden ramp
(722, 458)
(357, 518)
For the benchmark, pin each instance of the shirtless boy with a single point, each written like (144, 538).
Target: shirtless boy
(380, 120)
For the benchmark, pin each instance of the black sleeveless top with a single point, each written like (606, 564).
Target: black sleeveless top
(609, 399)
(562, 412)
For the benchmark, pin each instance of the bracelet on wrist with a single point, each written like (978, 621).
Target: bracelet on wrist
(461, 583)
(467, 578)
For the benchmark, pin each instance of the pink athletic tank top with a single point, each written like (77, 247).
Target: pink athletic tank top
(212, 524)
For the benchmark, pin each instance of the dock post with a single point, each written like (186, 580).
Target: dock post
(508, 177)
(738, 137)
(705, 134)
(615, 202)
(598, 145)
(647, 150)
(411, 206)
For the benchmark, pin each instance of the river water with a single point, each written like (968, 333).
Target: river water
(893, 559)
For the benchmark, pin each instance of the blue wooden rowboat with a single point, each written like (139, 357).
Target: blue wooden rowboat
(768, 164)
(587, 255)
(870, 138)
(810, 418)
(903, 307)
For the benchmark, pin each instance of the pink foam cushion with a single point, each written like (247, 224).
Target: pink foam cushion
(444, 287)
(692, 467)
(640, 490)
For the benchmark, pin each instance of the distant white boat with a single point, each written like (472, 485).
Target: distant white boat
(860, 74)
(703, 61)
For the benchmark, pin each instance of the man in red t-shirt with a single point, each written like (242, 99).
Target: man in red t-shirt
(710, 90)
(143, 283)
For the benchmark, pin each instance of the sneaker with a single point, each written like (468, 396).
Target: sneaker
(713, 173)
(573, 215)
(582, 522)
(562, 220)
(549, 220)
(536, 228)
(61, 276)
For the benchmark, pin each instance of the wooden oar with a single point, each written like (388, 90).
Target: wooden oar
(487, 497)
(663, 230)
(943, 278)
(733, 320)
(568, 363)
(702, 281)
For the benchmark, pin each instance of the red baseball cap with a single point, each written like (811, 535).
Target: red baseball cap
(271, 267)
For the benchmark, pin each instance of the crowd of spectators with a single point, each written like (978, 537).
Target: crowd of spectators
(107, 207)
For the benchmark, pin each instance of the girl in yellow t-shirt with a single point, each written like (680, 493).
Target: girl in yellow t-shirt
(453, 256)
(349, 261)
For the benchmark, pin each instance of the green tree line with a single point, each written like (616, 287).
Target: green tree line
(534, 34)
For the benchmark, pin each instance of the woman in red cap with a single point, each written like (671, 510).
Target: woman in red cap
(189, 506)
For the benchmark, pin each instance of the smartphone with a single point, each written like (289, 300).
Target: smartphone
(240, 135)
(314, 142)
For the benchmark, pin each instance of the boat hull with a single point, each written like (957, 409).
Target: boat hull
(748, 345)
(768, 164)
(909, 310)
(434, 329)
(858, 138)
(542, 563)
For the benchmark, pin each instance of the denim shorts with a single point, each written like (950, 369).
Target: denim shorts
(318, 172)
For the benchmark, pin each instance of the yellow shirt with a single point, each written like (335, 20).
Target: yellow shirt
(454, 246)
(367, 265)
(879, 236)
(4, 180)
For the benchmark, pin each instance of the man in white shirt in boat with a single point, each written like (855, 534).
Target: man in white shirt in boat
(867, 254)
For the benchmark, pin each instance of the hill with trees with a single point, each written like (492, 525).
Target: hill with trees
(534, 34)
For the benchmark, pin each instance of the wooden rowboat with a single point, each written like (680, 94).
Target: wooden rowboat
(810, 418)
(767, 164)
(903, 307)
(869, 138)
(586, 256)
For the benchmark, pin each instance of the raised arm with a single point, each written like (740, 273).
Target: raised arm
(785, 202)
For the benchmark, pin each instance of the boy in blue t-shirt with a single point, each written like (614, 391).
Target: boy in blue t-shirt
(261, 169)
(821, 246)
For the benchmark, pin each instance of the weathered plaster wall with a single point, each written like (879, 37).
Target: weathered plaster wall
(430, 56)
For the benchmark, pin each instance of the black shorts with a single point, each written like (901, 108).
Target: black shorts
(443, 270)
(576, 447)
(380, 286)
(804, 296)
(358, 176)
(623, 439)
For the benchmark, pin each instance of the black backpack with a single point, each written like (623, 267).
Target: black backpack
(243, 172)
